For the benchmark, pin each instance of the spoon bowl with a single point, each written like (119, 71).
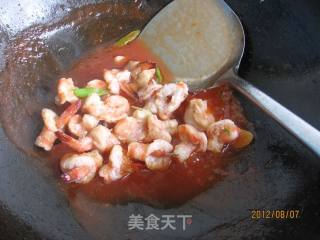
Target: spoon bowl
(202, 43)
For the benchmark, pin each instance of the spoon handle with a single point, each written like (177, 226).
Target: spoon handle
(302, 130)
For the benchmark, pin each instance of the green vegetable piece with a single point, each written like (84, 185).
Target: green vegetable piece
(87, 91)
(127, 38)
(159, 75)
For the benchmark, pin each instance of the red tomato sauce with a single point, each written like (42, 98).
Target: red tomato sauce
(170, 187)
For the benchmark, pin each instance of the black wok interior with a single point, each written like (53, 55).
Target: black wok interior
(39, 40)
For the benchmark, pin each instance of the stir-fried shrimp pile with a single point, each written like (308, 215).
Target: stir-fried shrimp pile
(128, 120)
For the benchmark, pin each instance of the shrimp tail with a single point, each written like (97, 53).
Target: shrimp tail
(75, 174)
(73, 143)
(68, 113)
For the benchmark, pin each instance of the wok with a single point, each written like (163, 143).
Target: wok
(41, 39)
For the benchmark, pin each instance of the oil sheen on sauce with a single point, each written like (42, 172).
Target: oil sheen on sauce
(168, 188)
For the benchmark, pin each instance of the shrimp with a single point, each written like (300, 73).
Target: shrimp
(158, 129)
(157, 155)
(197, 114)
(148, 91)
(137, 151)
(46, 139)
(141, 113)
(189, 134)
(183, 151)
(114, 77)
(65, 91)
(49, 118)
(169, 98)
(80, 145)
(144, 77)
(220, 133)
(115, 108)
(130, 129)
(75, 126)
(80, 168)
(96, 83)
(102, 138)
(89, 122)
(119, 59)
(118, 166)
(132, 65)
(93, 105)
(67, 114)
(137, 69)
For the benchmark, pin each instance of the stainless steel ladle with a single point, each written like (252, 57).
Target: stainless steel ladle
(202, 42)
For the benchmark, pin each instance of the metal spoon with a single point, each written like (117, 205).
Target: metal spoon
(202, 43)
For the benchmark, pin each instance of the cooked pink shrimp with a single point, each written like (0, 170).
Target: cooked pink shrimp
(183, 150)
(197, 114)
(220, 133)
(65, 91)
(141, 113)
(49, 118)
(46, 139)
(131, 65)
(93, 105)
(102, 138)
(114, 77)
(89, 122)
(80, 168)
(149, 90)
(157, 156)
(115, 108)
(191, 140)
(144, 78)
(137, 151)
(130, 129)
(158, 129)
(140, 67)
(169, 98)
(68, 113)
(120, 59)
(96, 83)
(189, 134)
(118, 166)
(80, 145)
(75, 126)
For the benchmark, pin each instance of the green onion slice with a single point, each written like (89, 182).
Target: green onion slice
(87, 91)
(159, 75)
(127, 38)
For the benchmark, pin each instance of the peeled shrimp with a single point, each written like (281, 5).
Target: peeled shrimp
(118, 166)
(46, 139)
(189, 134)
(65, 91)
(93, 105)
(149, 90)
(169, 98)
(197, 114)
(102, 138)
(75, 126)
(96, 83)
(80, 168)
(137, 151)
(220, 133)
(114, 77)
(130, 129)
(115, 108)
(67, 114)
(144, 77)
(80, 145)
(132, 65)
(89, 122)
(157, 155)
(141, 113)
(183, 150)
(158, 129)
(49, 118)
